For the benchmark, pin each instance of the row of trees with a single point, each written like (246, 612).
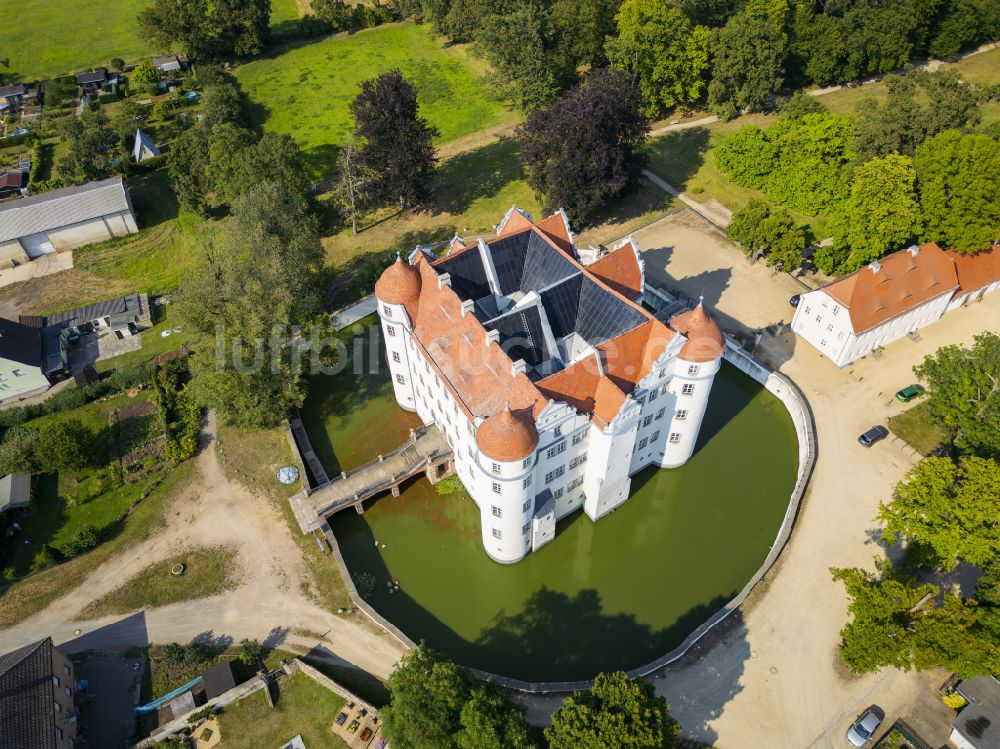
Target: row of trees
(208, 29)
(946, 513)
(736, 54)
(438, 705)
(891, 175)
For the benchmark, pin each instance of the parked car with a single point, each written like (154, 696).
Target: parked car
(366, 734)
(794, 301)
(909, 393)
(341, 719)
(873, 435)
(865, 727)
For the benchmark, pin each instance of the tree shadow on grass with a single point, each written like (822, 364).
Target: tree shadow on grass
(677, 156)
(480, 173)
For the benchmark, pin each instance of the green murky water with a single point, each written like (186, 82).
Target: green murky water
(615, 594)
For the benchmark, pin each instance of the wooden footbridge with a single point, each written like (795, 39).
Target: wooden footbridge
(426, 451)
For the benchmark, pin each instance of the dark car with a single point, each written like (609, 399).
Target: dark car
(873, 435)
(341, 719)
(909, 393)
(794, 301)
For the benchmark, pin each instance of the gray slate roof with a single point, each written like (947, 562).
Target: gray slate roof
(979, 722)
(26, 697)
(58, 208)
(15, 491)
(15, 89)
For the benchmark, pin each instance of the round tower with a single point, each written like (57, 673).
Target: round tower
(506, 444)
(397, 293)
(694, 372)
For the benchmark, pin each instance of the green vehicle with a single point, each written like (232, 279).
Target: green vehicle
(909, 393)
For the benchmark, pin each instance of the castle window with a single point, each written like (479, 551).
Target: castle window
(807, 310)
(496, 468)
(557, 493)
(497, 512)
(526, 483)
(675, 437)
(687, 389)
(836, 310)
(654, 436)
(526, 528)
(390, 329)
(557, 431)
(497, 533)
(652, 396)
(681, 414)
(496, 488)
(647, 421)
(400, 379)
(643, 442)
(526, 462)
(661, 373)
(693, 369)
(659, 414)
(395, 358)
(553, 451)
(387, 310)
(578, 438)
(526, 506)
(819, 318)
(829, 327)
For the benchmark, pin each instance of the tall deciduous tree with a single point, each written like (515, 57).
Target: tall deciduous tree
(882, 214)
(95, 149)
(615, 712)
(951, 511)
(964, 386)
(748, 55)
(187, 166)
(669, 55)
(959, 190)
(354, 182)
(208, 30)
(67, 444)
(581, 151)
(491, 721)
(580, 28)
(767, 232)
(396, 141)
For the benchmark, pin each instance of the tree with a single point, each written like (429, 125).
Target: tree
(186, 165)
(881, 214)
(250, 652)
(490, 721)
(580, 28)
(95, 150)
(615, 712)
(952, 512)
(800, 104)
(964, 389)
(428, 693)
(669, 55)
(205, 30)
(354, 182)
(245, 25)
(581, 151)
(67, 444)
(877, 37)
(764, 231)
(518, 46)
(256, 281)
(336, 14)
(221, 104)
(396, 141)
(747, 67)
(145, 73)
(963, 24)
(959, 193)
(85, 539)
(18, 451)
(117, 63)
(237, 160)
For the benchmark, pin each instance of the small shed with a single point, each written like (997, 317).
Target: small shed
(168, 63)
(144, 147)
(15, 491)
(218, 679)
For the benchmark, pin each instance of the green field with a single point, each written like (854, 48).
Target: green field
(305, 90)
(48, 37)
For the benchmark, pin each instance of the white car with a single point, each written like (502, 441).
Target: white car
(864, 727)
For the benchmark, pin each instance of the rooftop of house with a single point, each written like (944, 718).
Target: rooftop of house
(517, 319)
(57, 208)
(26, 696)
(978, 721)
(119, 311)
(20, 343)
(14, 89)
(15, 491)
(976, 270)
(93, 76)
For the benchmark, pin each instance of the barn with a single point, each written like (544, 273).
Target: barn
(64, 220)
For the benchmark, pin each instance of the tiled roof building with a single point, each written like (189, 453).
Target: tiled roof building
(550, 380)
(36, 698)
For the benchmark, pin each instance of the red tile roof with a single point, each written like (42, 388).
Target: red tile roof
(400, 284)
(978, 270)
(554, 227)
(508, 435)
(705, 341)
(897, 283)
(620, 270)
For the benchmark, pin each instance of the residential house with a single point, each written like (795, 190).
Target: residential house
(12, 97)
(144, 147)
(36, 698)
(64, 220)
(23, 368)
(891, 298)
(168, 63)
(977, 726)
(15, 491)
(13, 182)
(94, 81)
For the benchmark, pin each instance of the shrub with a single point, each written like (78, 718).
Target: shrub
(145, 73)
(450, 485)
(84, 539)
(954, 700)
(68, 444)
(17, 452)
(44, 558)
(172, 654)
(250, 652)
(117, 63)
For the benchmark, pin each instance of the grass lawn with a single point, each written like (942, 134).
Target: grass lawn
(26, 597)
(302, 707)
(919, 429)
(63, 503)
(209, 571)
(305, 89)
(252, 457)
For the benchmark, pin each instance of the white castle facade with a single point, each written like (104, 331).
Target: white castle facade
(550, 381)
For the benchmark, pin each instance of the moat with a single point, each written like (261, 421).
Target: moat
(613, 594)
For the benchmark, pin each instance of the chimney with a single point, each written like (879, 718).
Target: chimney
(518, 367)
(875, 266)
(914, 249)
(492, 336)
(444, 280)
(467, 306)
